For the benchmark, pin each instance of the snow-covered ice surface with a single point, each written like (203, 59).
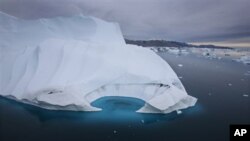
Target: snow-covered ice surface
(65, 63)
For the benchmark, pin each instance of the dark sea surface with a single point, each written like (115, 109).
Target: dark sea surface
(221, 86)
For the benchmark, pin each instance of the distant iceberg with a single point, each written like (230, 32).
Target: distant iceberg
(65, 63)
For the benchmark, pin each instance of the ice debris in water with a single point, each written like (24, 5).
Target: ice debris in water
(244, 59)
(178, 112)
(180, 65)
(245, 95)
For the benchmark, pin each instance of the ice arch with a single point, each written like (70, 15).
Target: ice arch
(66, 63)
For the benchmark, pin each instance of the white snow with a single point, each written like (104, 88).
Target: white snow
(66, 63)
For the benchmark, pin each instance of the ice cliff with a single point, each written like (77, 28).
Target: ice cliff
(65, 63)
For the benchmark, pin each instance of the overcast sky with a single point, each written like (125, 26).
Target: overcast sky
(208, 21)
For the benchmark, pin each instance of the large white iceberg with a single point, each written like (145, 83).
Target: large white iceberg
(65, 63)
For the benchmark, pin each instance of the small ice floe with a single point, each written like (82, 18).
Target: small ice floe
(206, 54)
(183, 52)
(244, 59)
(229, 84)
(180, 65)
(115, 131)
(209, 55)
(180, 77)
(174, 51)
(245, 95)
(178, 112)
(142, 121)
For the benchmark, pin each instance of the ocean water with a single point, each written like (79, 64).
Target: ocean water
(222, 87)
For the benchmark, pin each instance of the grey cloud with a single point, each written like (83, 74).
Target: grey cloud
(184, 20)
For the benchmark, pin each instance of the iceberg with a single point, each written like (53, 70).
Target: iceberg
(65, 63)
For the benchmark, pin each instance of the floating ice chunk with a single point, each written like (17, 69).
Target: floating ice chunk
(209, 53)
(184, 52)
(180, 65)
(244, 59)
(245, 95)
(178, 112)
(206, 54)
(229, 84)
(174, 51)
